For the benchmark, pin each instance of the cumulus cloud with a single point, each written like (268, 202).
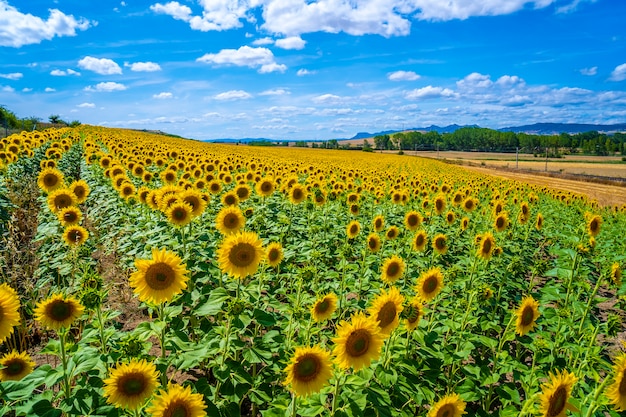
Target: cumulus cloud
(302, 72)
(245, 56)
(233, 95)
(103, 66)
(86, 105)
(619, 73)
(7, 89)
(63, 73)
(589, 71)
(403, 76)
(12, 76)
(106, 87)
(163, 95)
(429, 92)
(49, 90)
(143, 66)
(475, 80)
(216, 15)
(275, 92)
(464, 9)
(326, 98)
(263, 41)
(18, 29)
(292, 42)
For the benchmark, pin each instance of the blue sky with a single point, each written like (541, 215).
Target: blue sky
(313, 69)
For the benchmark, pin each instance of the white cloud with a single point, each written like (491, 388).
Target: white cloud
(62, 73)
(106, 87)
(12, 76)
(263, 41)
(27, 90)
(302, 72)
(275, 92)
(463, 9)
(49, 90)
(326, 98)
(245, 56)
(86, 105)
(216, 15)
(163, 95)
(103, 66)
(174, 9)
(510, 80)
(619, 73)
(589, 71)
(429, 92)
(292, 42)
(7, 89)
(403, 76)
(143, 66)
(233, 95)
(475, 80)
(18, 29)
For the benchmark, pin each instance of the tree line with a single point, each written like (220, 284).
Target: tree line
(9, 121)
(489, 140)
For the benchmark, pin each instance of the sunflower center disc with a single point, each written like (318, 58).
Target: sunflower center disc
(557, 402)
(231, 220)
(387, 314)
(622, 384)
(307, 368)
(242, 255)
(487, 246)
(14, 367)
(50, 180)
(419, 241)
(393, 269)
(440, 244)
(527, 316)
(180, 214)
(321, 307)
(273, 255)
(446, 411)
(159, 276)
(60, 310)
(430, 285)
(134, 385)
(358, 343)
(177, 410)
(412, 221)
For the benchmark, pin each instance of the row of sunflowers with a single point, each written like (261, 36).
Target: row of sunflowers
(178, 278)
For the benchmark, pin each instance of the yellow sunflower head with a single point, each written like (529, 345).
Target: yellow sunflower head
(392, 233)
(353, 229)
(274, 254)
(413, 313)
(539, 221)
(194, 199)
(130, 385)
(593, 225)
(429, 284)
(616, 392)
(527, 315)
(309, 370)
(555, 394)
(60, 198)
(378, 223)
(616, 274)
(450, 217)
(324, 307)
(14, 366)
(420, 240)
(465, 223)
(486, 246)
(392, 269)
(469, 204)
(70, 216)
(440, 204)
(449, 406)
(243, 192)
(386, 309)
(9, 311)
(230, 220)
(230, 199)
(374, 242)
(501, 222)
(81, 191)
(75, 235)
(265, 187)
(58, 311)
(358, 342)
(160, 278)
(413, 220)
(179, 213)
(177, 401)
(240, 254)
(50, 179)
(440, 244)
(297, 194)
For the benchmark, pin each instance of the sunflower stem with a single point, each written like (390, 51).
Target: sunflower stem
(594, 403)
(162, 342)
(503, 338)
(588, 306)
(103, 343)
(293, 405)
(335, 396)
(64, 361)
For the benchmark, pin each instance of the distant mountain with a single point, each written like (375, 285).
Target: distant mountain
(572, 128)
(431, 128)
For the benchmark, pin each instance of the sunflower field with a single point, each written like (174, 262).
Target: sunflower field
(145, 275)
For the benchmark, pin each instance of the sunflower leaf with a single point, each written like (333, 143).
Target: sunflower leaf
(214, 303)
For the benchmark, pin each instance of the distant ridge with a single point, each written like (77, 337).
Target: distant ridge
(572, 128)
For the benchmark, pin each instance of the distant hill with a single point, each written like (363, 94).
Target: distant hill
(431, 128)
(572, 128)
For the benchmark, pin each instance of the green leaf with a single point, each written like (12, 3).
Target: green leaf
(264, 318)
(214, 303)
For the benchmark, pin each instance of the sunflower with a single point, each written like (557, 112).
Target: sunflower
(429, 284)
(469, 204)
(440, 204)
(501, 222)
(378, 223)
(373, 242)
(160, 278)
(309, 370)
(9, 311)
(353, 229)
(616, 274)
(555, 394)
(386, 309)
(75, 235)
(413, 220)
(593, 226)
(243, 192)
(527, 315)
(449, 406)
(465, 223)
(50, 179)
(354, 209)
(274, 254)
(486, 246)
(440, 244)
(420, 240)
(392, 269)
(358, 342)
(240, 254)
(15, 366)
(413, 313)
(324, 307)
(70, 216)
(130, 385)
(60, 198)
(265, 187)
(179, 214)
(616, 392)
(177, 401)
(58, 311)
(215, 187)
(229, 220)
(392, 233)
(169, 176)
(81, 191)
(195, 201)
(230, 199)
(297, 194)
(539, 221)
(450, 217)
